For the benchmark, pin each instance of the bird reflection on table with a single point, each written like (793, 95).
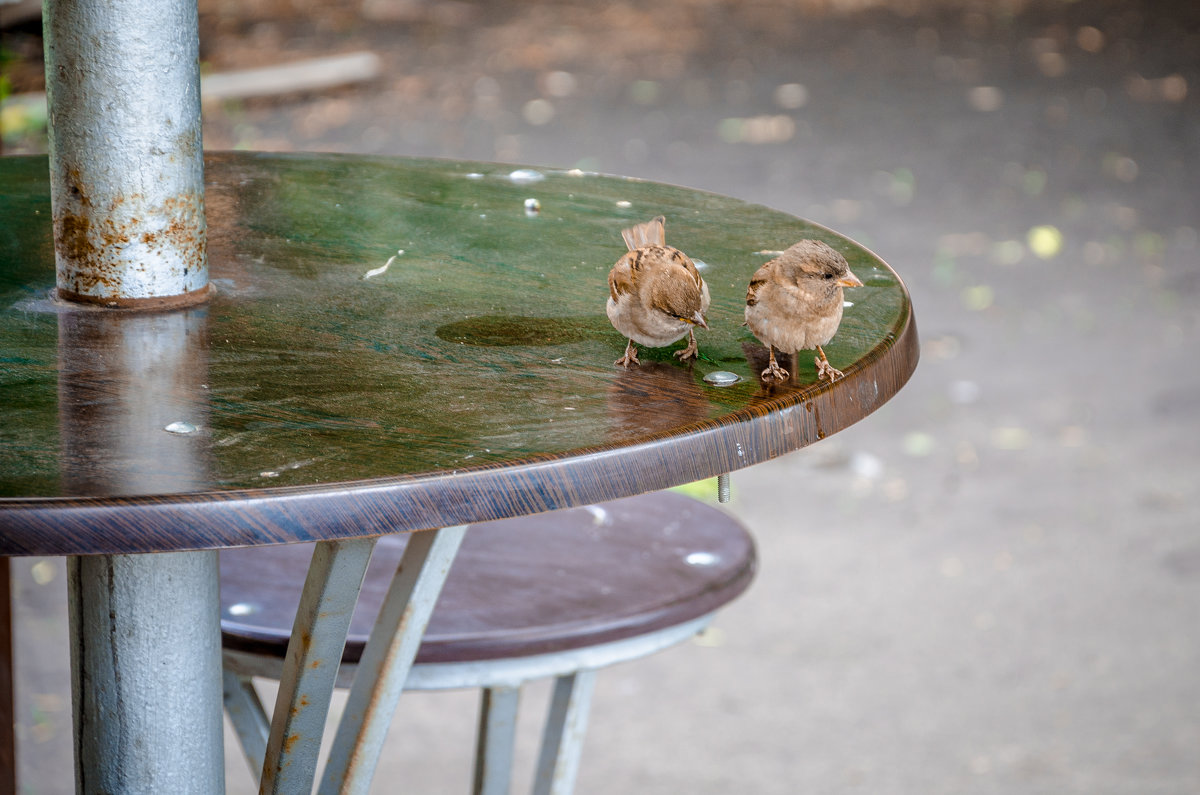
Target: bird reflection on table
(758, 358)
(654, 398)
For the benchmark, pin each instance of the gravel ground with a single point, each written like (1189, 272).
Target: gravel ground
(991, 585)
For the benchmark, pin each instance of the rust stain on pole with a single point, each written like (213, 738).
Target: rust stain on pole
(170, 235)
(126, 156)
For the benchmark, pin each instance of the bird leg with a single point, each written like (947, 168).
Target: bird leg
(824, 368)
(629, 358)
(690, 352)
(774, 371)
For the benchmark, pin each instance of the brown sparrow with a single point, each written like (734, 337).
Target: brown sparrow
(795, 303)
(656, 294)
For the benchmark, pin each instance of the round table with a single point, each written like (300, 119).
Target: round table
(397, 345)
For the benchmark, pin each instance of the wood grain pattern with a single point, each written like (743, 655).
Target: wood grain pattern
(523, 586)
(470, 381)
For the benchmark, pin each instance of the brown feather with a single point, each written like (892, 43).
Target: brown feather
(756, 281)
(651, 233)
(675, 298)
(621, 279)
(656, 292)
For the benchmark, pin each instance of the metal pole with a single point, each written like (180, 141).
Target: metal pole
(127, 194)
(562, 740)
(145, 629)
(249, 719)
(145, 673)
(8, 740)
(126, 162)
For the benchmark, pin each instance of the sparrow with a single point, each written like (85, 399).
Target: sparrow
(655, 293)
(795, 303)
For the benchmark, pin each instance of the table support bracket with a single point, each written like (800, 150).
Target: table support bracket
(310, 668)
(387, 658)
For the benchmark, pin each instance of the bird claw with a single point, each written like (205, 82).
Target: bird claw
(824, 368)
(775, 373)
(629, 358)
(690, 352)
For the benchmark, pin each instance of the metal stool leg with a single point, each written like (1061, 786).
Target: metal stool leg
(248, 717)
(562, 742)
(497, 739)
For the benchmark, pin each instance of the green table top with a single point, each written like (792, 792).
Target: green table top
(473, 379)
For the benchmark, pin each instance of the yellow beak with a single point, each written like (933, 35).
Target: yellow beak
(849, 280)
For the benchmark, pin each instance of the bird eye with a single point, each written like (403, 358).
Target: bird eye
(829, 276)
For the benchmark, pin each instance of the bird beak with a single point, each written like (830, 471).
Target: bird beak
(698, 320)
(849, 280)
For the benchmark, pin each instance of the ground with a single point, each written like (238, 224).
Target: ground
(988, 586)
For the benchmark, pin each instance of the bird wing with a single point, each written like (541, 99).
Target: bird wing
(684, 261)
(651, 233)
(760, 278)
(621, 280)
(649, 259)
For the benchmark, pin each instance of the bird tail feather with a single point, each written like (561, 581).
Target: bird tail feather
(651, 233)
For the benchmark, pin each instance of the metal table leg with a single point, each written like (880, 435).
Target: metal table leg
(146, 673)
(310, 669)
(8, 741)
(249, 719)
(126, 163)
(387, 659)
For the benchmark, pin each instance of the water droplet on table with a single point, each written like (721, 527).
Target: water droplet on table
(722, 378)
(526, 176)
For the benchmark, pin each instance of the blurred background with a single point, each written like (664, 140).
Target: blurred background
(990, 586)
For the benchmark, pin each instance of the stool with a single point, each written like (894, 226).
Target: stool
(557, 594)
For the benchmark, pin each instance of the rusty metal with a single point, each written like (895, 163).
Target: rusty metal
(310, 667)
(126, 160)
(387, 659)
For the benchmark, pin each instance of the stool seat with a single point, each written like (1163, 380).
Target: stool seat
(519, 587)
(558, 594)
